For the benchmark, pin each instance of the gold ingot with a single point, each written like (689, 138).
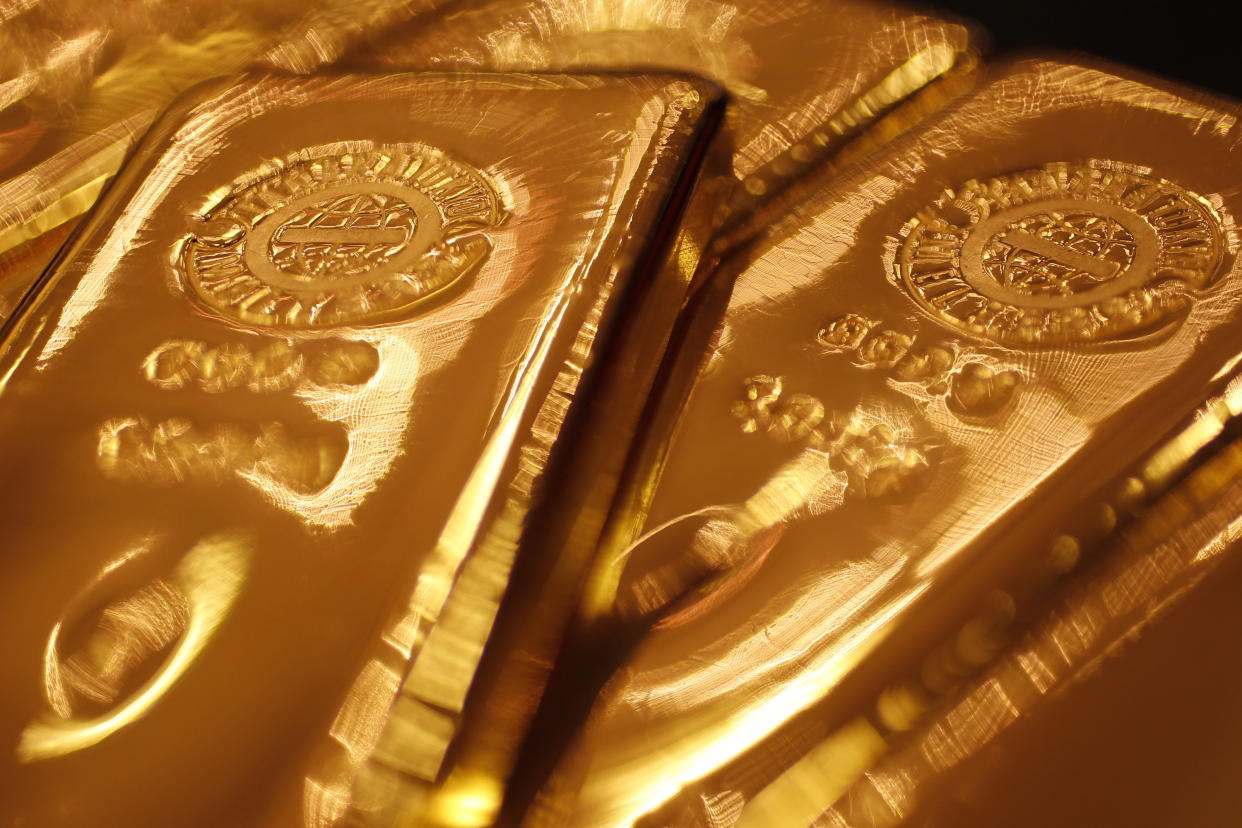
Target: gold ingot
(282, 419)
(1021, 311)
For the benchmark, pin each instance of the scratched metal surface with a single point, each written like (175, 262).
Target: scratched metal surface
(867, 431)
(805, 77)
(299, 377)
(923, 370)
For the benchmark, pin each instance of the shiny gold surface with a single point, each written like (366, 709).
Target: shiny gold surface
(277, 426)
(1100, 623)
(805, 77)
(1151, 725)
(329, 467)
(81, 80)
(939, 384)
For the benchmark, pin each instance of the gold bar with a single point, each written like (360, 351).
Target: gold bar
(282, 418)
(935, 389)
(806, 77)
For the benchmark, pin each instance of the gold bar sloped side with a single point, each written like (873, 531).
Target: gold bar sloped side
(910, 386)
(309, 367)
(1145, 731)
(1050, 681)
(399, 778)
(806, 77)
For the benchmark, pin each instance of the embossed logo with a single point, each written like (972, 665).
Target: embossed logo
(1066, 253)
(341, 237)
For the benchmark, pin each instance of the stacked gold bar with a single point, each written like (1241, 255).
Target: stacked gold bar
(524, 430)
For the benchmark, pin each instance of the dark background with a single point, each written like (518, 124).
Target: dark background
(1195, 42)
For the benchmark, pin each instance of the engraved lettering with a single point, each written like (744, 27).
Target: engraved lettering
(177, 450)
(879, 461)
(274, 366)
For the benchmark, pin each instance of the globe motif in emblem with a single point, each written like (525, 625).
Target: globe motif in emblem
(343, 236)
(1064, 253)
(1059, 254)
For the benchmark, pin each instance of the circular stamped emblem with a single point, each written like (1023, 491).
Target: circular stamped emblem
(1066, 253)
(341, 236)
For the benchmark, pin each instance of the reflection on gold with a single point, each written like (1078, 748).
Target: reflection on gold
(64, 186)
(824, 774)
(360, 720)
(53, 194)
(329, 792)
(725, 552)
(189, 607)
(793, 107)
(623, 791)
(83, 80)
(446, 686)
(1085, 625)
(53, 683)
(375, 414)
(469, 799)
(129, 632)
(1153, 561)
(743, 660)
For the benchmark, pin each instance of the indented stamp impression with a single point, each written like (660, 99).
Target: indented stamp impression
(1065, 253)
(341, 236)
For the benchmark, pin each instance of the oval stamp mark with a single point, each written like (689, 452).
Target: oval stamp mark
(1065, 253)
(341, 236)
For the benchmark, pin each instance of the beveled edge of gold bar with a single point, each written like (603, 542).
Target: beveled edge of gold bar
(755, 214)
(915, 92)
(583, 472)
(113, 190)
(469, 787)
(1180, 480)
